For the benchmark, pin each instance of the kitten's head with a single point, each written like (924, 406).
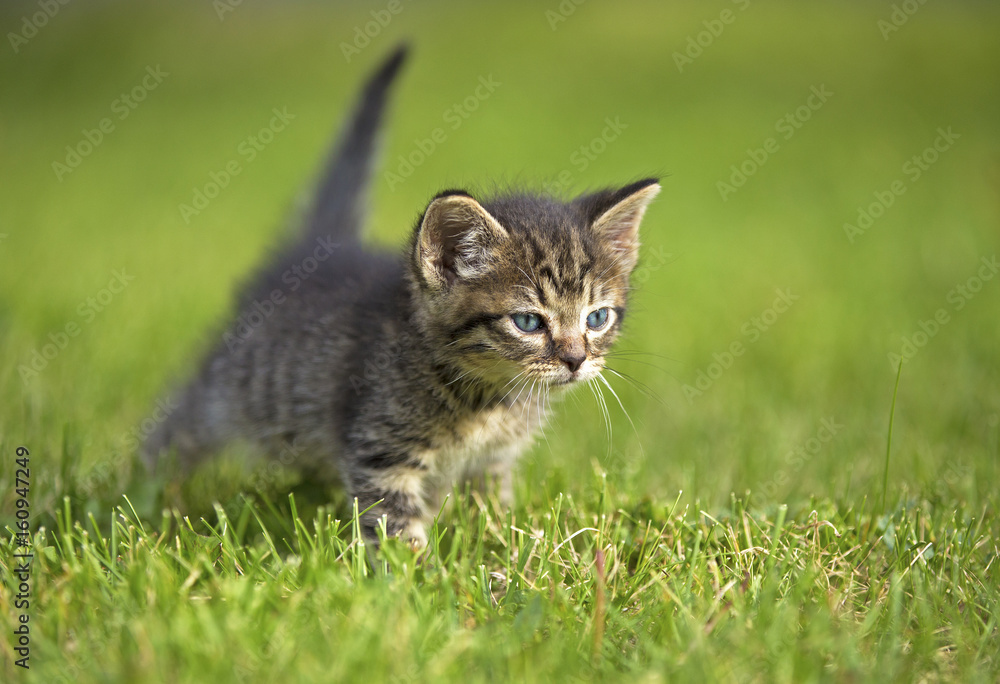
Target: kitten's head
(525, 286)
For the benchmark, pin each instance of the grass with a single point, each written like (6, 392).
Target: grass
(833, 593)
(750, 525)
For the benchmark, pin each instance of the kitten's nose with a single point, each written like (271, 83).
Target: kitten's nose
(573, 361)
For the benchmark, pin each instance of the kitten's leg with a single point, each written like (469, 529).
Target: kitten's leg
(500, 478)
(495, 475)
(402, 490)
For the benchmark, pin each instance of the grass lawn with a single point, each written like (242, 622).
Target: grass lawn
(831, 206)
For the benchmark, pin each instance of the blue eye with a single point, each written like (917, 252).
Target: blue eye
(597, 319)
(527, 322)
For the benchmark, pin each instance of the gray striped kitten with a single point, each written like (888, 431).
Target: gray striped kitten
(404, 373)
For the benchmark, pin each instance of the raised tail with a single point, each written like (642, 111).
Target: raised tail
(340, 199)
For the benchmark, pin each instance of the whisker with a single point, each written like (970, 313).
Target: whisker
(482, 427)
(642, 387)
(605, 413)
(527, 400)
(538, 404)
(516, 377)
(478, 375)
(518, 397)
(460, 377)
(622, 406)
(614, 262)
(639, 352)
(643, 363)
(530, 279)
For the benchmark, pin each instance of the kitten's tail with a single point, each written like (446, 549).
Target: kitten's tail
(340, 199)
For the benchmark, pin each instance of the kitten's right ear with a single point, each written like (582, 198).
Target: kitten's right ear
(456, 239)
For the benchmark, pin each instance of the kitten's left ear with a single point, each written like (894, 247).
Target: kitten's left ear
(615, 216)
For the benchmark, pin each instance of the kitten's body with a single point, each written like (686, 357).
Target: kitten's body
(405, 374)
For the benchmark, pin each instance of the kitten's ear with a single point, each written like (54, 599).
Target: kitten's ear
(615, 216)
(455, 239)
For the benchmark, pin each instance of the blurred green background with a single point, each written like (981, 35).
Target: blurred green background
(713, 259)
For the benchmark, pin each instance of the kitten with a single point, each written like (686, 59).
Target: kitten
(407, 373)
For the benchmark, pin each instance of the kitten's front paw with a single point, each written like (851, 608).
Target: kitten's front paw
(415, 536)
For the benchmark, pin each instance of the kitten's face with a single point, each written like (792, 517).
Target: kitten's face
(529, 289)
(555, 308)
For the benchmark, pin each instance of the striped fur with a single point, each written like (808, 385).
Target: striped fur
(403, 375)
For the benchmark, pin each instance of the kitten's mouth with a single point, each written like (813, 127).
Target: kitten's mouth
(567, 380)
(557, 378)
